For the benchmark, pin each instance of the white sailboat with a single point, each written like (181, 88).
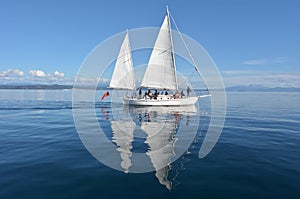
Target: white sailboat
(160, 73)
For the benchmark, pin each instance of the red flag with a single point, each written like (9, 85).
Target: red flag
(105, 95)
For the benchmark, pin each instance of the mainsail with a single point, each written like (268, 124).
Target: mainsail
(123, 75)
(161, 69)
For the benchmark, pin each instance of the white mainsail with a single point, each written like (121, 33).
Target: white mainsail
(123, 75)
(161, 69)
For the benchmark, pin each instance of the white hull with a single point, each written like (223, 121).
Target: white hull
(161, 101)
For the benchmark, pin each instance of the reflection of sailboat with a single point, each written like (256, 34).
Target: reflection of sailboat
(160, 127)
(161, 149)
(182, 110)
(123, 137)
(160, 73)
(162, 142)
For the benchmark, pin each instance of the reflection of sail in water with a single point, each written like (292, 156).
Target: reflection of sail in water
(160, 125)
(123, 137)
(162, 176)
(161, 143)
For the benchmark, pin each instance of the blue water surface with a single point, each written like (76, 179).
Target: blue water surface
(257, 155)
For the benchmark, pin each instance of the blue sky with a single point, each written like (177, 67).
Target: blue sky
(245, 38)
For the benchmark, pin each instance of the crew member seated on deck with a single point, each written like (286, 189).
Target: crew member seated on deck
(176, 95)
(150, 94)
(182, 94)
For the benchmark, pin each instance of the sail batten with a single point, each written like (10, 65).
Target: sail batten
(123, 75)
(161, 70)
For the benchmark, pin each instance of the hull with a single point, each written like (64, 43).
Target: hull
(186, 101)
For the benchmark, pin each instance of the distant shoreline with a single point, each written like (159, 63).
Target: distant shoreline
(37, 87)
(46, 87)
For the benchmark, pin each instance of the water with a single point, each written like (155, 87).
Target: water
(257, 155)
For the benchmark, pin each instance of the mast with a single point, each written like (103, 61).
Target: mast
(172, 47)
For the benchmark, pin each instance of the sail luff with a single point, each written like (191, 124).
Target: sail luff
(123, 75)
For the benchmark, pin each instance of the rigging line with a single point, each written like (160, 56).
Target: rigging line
(186, 80)
(127, 60)
(164, 51)
(187, 49)
(189, 79)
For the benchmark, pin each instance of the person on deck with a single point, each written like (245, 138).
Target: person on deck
(182, 94)
(150, 94)
(140, 93)
(176, 95)
(155, 94)
(188, 90)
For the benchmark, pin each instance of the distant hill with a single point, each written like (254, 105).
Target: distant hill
(260, 88)
(36, 86)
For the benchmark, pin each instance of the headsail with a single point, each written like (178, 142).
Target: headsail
(161, 69)
(123, 75)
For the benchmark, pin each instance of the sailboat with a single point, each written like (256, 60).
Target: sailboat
(160, 73)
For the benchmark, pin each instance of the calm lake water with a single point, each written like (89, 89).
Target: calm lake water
(257, 155)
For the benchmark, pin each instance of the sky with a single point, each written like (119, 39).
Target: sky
(251, 41)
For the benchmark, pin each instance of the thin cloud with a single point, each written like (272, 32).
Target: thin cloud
(255, 62)
(242, 72)
(90, 80)
(264, 78)
(37, 73)
(12, 73)
(265, 61)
